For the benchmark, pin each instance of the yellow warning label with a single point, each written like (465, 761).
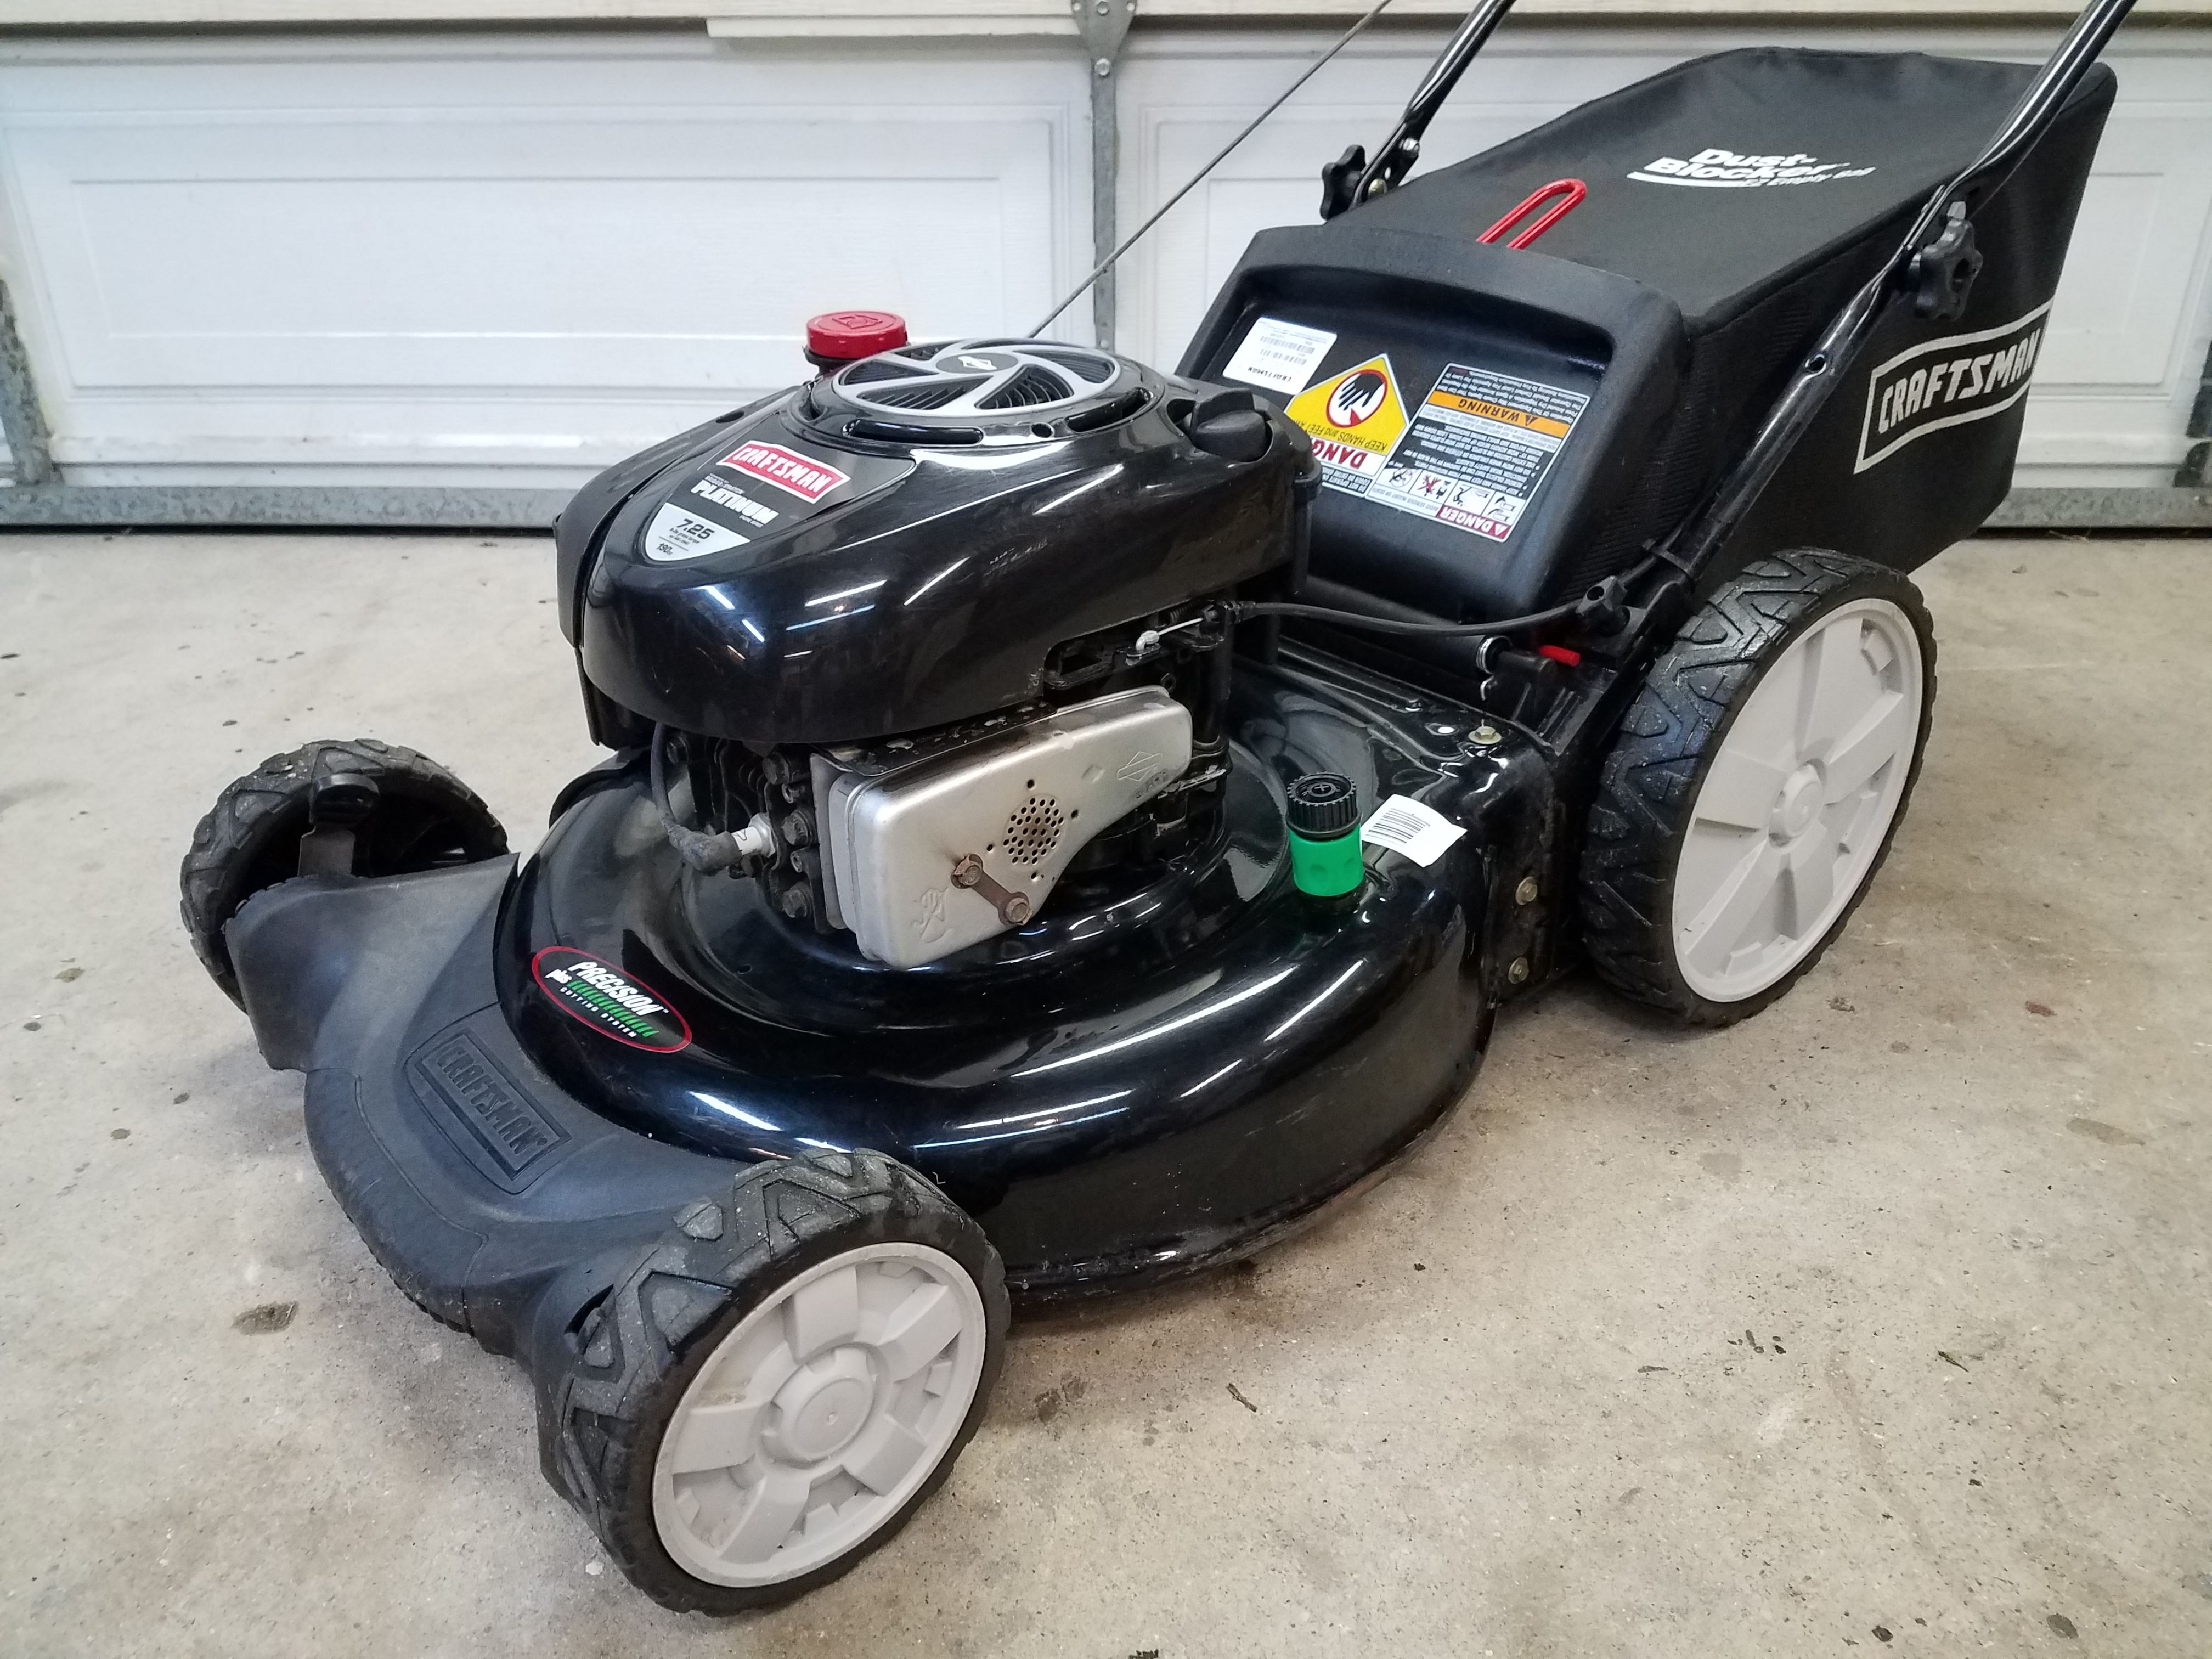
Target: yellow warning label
(1355, 419)
(1504, 413)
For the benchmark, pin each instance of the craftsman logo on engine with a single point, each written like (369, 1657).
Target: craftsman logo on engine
(1946, 383)
(603, 997)
(1725, 169)
(808, 479)
(1355, 419)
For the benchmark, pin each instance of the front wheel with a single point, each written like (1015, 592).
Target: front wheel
(402, 813)
(767, 1395)
(1756, 783)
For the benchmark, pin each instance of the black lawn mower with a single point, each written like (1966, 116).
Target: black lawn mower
(1067, 823)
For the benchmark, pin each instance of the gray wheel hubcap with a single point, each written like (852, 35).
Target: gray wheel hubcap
(1796, 804)
(818, 1417)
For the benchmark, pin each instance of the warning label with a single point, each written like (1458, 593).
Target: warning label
(1476, 450)
(1355, 419)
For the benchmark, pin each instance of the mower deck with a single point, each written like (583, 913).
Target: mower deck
(1124, 1090)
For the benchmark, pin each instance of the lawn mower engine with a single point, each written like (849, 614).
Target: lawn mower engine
(911, 643)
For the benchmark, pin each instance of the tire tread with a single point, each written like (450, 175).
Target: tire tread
(230, 834)
(1648, 782)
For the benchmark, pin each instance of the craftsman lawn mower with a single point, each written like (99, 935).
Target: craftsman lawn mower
(1066, 823)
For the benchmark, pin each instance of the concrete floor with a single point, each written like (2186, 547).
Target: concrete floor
(1880, 1319)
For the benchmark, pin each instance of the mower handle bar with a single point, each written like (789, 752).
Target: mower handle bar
(1400, 149)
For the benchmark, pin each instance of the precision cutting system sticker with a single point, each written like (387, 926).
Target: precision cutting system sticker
(1355, 420)
(608, 1001)
(1478, 447)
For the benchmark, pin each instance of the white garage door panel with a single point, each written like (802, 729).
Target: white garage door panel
(2122, 312)
(324, 262)
(2130, 325)
(2116, 310)
(417, 258)
(497, 277)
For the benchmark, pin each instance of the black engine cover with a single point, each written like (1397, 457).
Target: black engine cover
(902, 545)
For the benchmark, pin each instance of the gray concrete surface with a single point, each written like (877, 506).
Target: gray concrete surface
(1880, 1320)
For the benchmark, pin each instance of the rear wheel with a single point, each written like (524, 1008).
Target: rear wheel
(403, 811)
(1756, 783)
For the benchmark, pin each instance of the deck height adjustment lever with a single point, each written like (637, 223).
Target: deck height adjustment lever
(338, 804)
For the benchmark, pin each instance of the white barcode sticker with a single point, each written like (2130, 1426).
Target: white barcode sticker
(1279, 355)
(1404, 825)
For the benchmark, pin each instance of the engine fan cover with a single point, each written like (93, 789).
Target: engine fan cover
(1018, 390)
(901, 545)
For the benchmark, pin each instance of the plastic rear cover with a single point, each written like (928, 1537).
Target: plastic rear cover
(1748, 195)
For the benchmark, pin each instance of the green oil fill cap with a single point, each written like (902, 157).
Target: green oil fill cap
(1324, 854)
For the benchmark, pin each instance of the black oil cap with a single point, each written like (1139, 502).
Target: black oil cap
(1323, 805)
(1229, 424)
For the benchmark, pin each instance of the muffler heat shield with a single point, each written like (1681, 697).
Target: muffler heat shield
(1024, 801)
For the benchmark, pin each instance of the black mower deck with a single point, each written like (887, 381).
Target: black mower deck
(1116, 1096)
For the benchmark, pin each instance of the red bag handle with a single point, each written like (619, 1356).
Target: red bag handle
(1570, 193)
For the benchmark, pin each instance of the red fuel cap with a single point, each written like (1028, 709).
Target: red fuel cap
(842, 336)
